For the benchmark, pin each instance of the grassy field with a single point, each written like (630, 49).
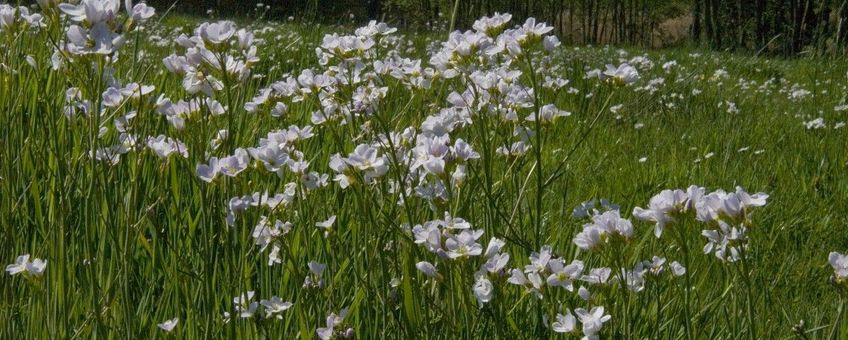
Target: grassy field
(343, 173)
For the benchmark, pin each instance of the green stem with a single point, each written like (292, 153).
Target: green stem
(746, 276)
(834, 331)
(687, 277)
(453, 16)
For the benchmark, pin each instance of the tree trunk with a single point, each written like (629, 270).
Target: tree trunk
(696, 22)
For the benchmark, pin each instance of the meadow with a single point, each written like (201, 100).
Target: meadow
(172, 177)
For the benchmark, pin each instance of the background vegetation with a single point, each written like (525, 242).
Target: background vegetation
(777, 27)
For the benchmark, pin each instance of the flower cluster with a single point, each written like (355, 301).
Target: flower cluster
(729, 211)
(97, 28)
(245, 307)
(18, 18)
(215, 54)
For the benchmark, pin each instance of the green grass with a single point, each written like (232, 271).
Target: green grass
(134, 244)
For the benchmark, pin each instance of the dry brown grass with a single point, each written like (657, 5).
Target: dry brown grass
(669, 32)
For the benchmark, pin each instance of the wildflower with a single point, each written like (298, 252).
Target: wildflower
(327, 225)
(483, 290)
(208, 172)
(169, 325)
(496, 263)
(454, 222)
(36, 267)
(623, 74)
(838, 261)
(661, 209)
(603, 227)
(264, 233)
(429, 235)
(91, 11)
(677, 269)
(427, 268)
(532, 282)
(565, 323)
(727, 242)
(735, 205)
(592, 320)
(244, 304)
(532, 28)
(140, 12)
(597, 276)
(19, 266)
(465, 244)
(492, 26)
(112, 97)
(315, 280)
(563, 275)
(548, 113)
(275, 306)
(22, 264)
(365, 158)
(539, 261)
(218, 32)
(333, 321)
(164, 146)
(584, 293)
(494, 247)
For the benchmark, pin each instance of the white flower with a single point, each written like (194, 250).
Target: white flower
(314, 280)
(565, 323)
(427, 268)
(493, 25)
(548, 113)
(532, 282)
(264, 233)
(624, 73)
(661, 208)
(218, 32)
(464, 244)
(366, 158)
(589, 238)
(333, 321)
(208, 172)
(838, 261)
(327, 225)
(275, 306)
(164, 146)
(608, 223)
(169, 325)
(592, 320)
(22, 264)
(532, 28)
(597, 276)
(112, 97)
(677, 269)
(245, 305)
(563, 276)
(539, 261)
(92, 11)
(495, 245)
(727, 241)
(483, 290)
(36, 267)
(496, 263)
(19, 266)
(141, 12)
(584, 293)
(233, 165)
